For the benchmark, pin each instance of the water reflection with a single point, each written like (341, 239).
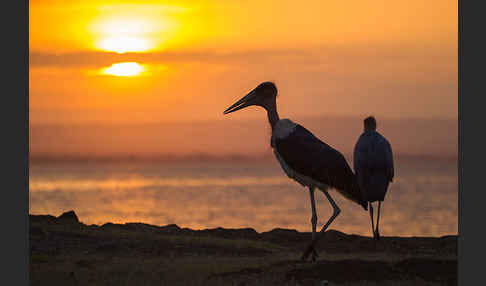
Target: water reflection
(421, 201)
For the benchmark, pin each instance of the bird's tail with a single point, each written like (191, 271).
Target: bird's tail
(359, 195)
(352, 192)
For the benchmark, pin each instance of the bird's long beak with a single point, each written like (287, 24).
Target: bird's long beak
(246, 101)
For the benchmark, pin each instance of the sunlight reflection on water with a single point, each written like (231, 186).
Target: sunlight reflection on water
(422, 200)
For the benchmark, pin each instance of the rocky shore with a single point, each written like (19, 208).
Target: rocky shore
(64, 251)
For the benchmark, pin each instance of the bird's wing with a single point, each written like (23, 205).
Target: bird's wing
(359, 155)
(360, 159)
(309, 156)
(389, 160)
(373, 152)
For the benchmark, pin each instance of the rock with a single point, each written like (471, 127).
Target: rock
(241, 233)
(48, 219)
(69, 216)
(138, 226)
(170, 228)
(334, 235)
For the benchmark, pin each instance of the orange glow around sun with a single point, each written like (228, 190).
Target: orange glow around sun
(145, 52)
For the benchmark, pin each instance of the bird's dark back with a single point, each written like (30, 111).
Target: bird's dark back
(373, 164)
(373, 153)
(309, 156)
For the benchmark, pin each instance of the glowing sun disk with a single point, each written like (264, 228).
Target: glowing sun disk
(124, 69)
(122, 44)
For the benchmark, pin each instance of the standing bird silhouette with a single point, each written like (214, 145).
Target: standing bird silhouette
(373, 164)
(304, 158)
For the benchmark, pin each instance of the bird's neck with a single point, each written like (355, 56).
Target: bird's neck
(272, 115)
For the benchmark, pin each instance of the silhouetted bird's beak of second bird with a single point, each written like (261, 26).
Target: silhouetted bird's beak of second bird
(245, 101)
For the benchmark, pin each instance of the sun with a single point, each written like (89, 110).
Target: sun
(124, 69)
(124, 35)
(122, 44)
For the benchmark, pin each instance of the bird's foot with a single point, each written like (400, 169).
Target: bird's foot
(310, 251)
(315, 255)
(377, 235)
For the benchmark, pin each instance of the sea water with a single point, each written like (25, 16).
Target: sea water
(421, 201)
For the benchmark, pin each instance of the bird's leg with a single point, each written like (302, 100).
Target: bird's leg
(313, 219)
(336, 212)
(314, 214)
(377, 233)
(372, 222)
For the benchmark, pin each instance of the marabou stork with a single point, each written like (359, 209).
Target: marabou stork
(304, 158)
(373, 164)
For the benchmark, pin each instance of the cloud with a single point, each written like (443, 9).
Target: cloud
(100, 59)
(309, 57)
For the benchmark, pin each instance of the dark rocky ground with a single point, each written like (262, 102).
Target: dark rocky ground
(64, 251)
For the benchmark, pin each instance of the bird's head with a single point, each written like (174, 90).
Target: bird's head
(369, 124)
(263, 95)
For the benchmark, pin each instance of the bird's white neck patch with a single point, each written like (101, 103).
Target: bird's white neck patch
(283, 128)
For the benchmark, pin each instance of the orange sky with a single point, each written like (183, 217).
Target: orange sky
(394, 59)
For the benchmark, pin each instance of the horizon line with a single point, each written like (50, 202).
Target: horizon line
(209, 120)
(161, 157)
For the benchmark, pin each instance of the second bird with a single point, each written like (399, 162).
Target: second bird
(373, 164)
